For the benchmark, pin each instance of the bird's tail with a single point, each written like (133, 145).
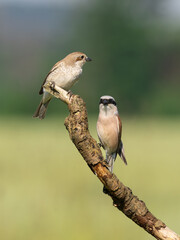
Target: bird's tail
(41, 110)
(110, 159)
(121, 153)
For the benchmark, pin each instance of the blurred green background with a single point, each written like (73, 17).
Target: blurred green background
(46, 190)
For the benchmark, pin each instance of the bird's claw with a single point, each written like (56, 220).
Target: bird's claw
(100, 145)
(105, 190)
(52, 87)
(108, 164)
(69, 93)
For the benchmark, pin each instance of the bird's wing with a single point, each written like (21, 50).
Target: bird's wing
(119, 126)
(52, 70)
(121, 153)
(120, 147)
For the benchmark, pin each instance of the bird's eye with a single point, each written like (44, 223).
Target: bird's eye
(113, 102)
(82, 57)
(101, 101)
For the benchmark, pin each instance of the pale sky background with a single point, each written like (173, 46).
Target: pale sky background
(170, 5)
(40, 2)
(170, 8)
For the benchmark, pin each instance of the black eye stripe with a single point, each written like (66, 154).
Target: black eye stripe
(101, 101)
(112, 101)
(107, 101)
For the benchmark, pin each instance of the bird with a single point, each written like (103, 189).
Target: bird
(65, 73)
(109, 130)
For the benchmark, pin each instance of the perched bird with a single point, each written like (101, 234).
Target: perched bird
(109, 130)
(64, 74)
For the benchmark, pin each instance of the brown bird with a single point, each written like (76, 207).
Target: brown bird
(64, 74)
(109, 130)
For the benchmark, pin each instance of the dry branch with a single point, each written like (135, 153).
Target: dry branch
(77, 125)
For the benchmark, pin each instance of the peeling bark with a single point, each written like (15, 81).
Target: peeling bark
(123, 199)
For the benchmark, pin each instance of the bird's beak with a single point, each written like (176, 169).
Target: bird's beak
(88, 59)
(105, 101)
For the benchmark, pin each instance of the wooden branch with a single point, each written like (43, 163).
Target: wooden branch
(123, 199)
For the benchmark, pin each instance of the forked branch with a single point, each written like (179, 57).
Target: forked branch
(123, 199)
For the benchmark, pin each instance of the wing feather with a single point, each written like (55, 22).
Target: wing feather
(120, 147)
(52, 70)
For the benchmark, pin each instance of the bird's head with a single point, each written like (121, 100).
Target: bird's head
(107, 104)
(77, 59)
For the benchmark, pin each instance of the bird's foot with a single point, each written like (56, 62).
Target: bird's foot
(109, 165)
(52, 87)
(100, 145)
(105, 191)
(106, 163)
(69, 93)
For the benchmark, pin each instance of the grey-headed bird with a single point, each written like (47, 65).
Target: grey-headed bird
(109, 130)
(64, 74)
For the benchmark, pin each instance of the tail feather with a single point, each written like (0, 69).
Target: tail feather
(121, 153)
(41, 110)
(110, 159)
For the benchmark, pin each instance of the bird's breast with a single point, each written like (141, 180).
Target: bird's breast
(108, 133)
(65, 76)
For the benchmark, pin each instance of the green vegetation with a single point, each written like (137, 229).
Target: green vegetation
(48, 192)
(135, 52)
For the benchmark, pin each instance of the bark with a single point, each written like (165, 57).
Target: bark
(123, 198)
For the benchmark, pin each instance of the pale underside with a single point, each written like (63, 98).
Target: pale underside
(65, 76)
(108, 132)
